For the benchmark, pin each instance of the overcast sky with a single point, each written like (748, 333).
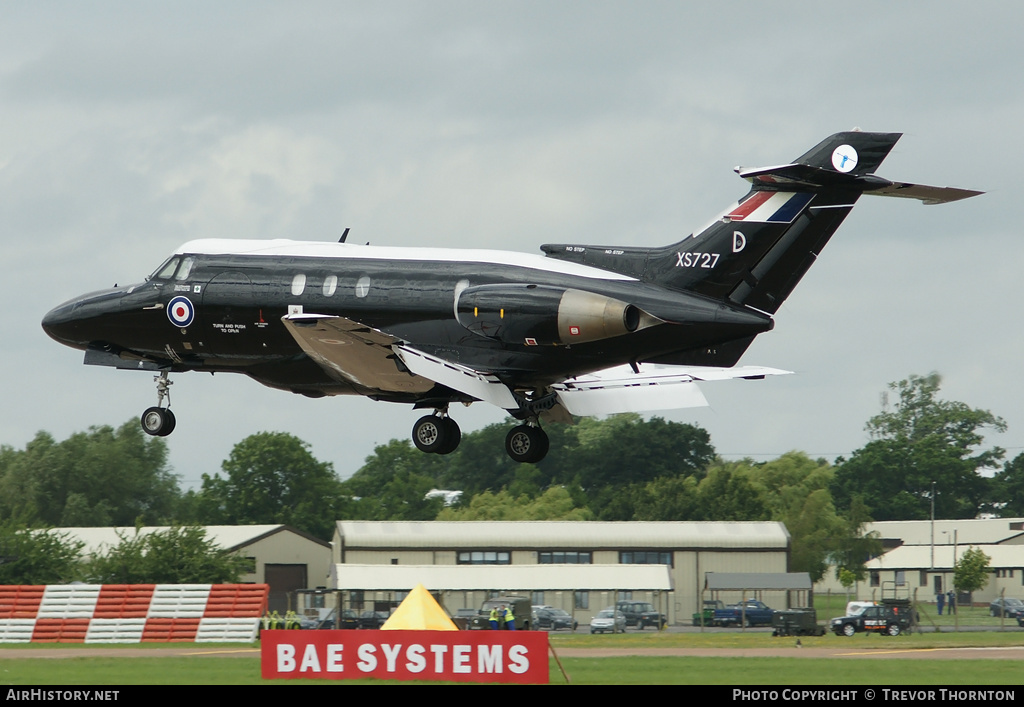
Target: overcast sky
(128, 128)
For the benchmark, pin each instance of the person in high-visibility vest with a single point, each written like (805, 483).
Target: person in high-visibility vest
(510, 619)
(494, 619)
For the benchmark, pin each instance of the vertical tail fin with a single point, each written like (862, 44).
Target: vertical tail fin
(755, 252)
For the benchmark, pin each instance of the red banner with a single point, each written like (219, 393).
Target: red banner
(458, 656)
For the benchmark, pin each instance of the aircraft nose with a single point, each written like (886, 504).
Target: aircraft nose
(77, 322)
(58, 322)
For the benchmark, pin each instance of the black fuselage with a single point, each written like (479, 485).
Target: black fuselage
(230, 319)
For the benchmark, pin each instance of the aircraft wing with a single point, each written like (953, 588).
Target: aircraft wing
(353, 353)
(620, 389)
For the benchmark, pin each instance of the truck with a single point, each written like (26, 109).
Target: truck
(796, 622)
(521, 608)
(890, 618)
(748, 613)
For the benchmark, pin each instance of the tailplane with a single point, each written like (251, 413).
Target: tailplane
(757, 250)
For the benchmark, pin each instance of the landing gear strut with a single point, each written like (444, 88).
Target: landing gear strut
(436, 434)
(159, 421)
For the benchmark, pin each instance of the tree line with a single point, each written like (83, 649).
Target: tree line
(624, 467)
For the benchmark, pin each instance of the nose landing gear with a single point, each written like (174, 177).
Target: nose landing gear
(159, 421)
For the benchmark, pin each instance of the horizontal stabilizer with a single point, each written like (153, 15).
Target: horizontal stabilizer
(620, 389)
(927, 195)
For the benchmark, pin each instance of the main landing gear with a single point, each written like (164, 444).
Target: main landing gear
(159, 421)
(440, 434)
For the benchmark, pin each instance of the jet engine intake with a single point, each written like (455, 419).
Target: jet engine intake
(540, 315)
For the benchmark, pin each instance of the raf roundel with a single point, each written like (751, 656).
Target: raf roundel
(181, 312)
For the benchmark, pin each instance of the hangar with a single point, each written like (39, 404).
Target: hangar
(580, 566)
(280, 556)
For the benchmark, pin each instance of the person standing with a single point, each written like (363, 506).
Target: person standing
(494, 619)
(951, 602)
(510, 619)
(940, 601)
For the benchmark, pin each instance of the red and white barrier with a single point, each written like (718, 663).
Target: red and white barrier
(131, 613)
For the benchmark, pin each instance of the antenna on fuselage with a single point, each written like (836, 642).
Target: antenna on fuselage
(344, 235)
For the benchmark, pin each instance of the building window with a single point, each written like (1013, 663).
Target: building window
(582, 600)
(922, 579)
(901, 578)
(356, 598)
(537, 598)
(484, 558)
(645, 557)
(565, 558)
(876, 579)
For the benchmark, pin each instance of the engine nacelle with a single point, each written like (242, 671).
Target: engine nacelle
(539, 315)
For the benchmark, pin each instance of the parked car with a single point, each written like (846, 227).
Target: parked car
(554, 619)
(608, 620)
(640, 614)
(888, 619)
(748, 613)
(327, 621)
(1011, 608)
(372, 619)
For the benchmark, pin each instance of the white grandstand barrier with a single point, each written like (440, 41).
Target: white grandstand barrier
(213, 630)
(17, 630)
(115, 631)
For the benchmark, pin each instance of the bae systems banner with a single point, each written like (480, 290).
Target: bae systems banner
(459, 656)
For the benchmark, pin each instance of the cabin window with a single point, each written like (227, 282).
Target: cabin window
(298, 284)
(330, 285)
(363, 286)
(186, 268)
(166, 271)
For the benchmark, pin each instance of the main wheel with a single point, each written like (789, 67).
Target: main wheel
(526, 444)
(452, 435)
(158, 422)
(431, 433)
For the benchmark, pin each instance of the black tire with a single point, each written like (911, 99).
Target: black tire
(158, 422)
(430, 434)
(452, 434)
(849, 630)
(526, 444)
(893, 630)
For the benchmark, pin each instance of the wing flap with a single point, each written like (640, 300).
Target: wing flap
(477, 384)
(353, 352)
(620, 389)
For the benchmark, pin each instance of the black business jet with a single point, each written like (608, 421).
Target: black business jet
(580, 330)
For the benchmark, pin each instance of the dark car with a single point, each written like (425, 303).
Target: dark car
(888, 619)
(554, 619)
(641, 614)
(349, 620)
(372, 619)
(1011, 608)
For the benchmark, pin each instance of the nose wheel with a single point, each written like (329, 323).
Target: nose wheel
(159, 421)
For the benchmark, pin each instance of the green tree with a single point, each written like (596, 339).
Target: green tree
(921, 440)
(971, 571)
(393, 484)
(38, 556)
(96, 478)
(177, 555)
(554, 504)
(272, 477)
(1008, 489)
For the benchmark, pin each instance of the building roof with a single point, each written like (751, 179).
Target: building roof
(968, 531)
(226, 537)
(919, 557)
(562, 534)
(723, 581)
(502, 577)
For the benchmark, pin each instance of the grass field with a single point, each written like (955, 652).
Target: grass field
(211, 669)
